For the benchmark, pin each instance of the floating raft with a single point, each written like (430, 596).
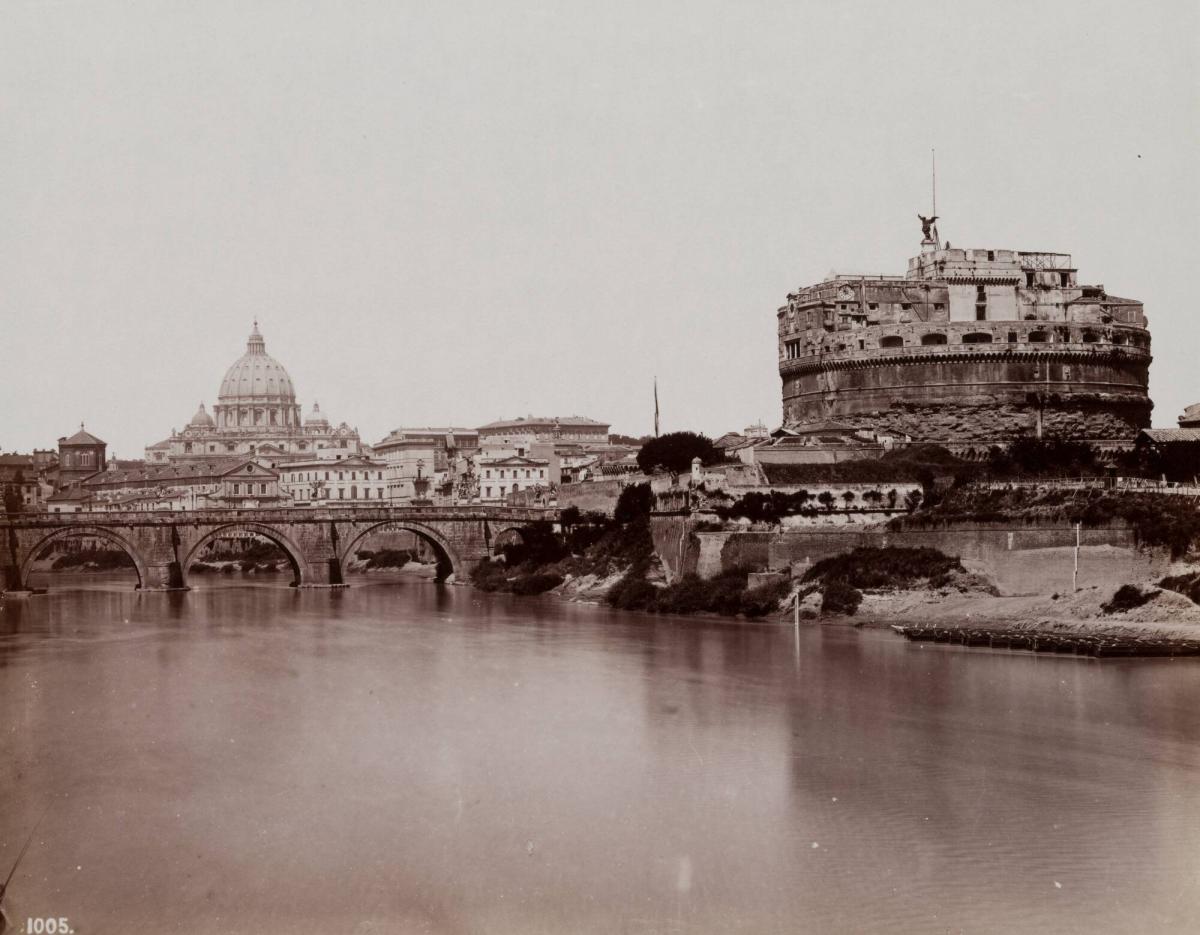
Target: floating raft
(1042, 642)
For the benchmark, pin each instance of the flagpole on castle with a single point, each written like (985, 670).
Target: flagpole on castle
(656, 407)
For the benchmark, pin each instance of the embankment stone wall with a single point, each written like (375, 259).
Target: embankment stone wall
(1020, 559)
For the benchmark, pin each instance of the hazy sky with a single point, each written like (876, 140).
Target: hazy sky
(453, 213)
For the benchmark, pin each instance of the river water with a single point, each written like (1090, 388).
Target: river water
(406, 757)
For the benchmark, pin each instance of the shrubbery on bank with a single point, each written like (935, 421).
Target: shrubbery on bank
(1187, 585)
(837, 597)
(385, 558)
(100, 559)
(892, 568)
(1127, 597)
(727, 593)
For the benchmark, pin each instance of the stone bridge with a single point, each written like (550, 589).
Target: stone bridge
(317, 542)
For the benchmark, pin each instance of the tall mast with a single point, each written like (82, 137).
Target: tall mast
(656, 407)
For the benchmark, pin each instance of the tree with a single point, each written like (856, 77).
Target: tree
(913, 499)
(12, 493)
(633, 504)
(674, 452)
(848, 496)
(892, 496)
(825, 498)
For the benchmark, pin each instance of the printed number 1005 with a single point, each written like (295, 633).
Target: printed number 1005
(59, 926)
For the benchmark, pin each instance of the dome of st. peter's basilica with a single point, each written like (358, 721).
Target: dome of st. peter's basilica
(256, 410)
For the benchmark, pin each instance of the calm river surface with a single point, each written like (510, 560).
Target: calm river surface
(403, 757)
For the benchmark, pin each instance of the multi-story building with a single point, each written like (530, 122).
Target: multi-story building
(20, 478)
(323, 481)
(522, 433)
(229, 483)
(500, 477)
(970, 347)
(436, 455)
(256, 409)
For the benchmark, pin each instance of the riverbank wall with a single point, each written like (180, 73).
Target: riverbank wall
(1018, 558)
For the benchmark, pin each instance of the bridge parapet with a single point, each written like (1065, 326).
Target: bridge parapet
(286, 515)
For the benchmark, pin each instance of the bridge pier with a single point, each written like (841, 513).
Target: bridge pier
(323, 573)
(164, 576)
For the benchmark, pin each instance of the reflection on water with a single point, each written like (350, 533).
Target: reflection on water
(406, 757)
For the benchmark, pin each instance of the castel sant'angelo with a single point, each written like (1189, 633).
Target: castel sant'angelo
(969, 347)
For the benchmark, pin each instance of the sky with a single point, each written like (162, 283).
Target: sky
(451, 213)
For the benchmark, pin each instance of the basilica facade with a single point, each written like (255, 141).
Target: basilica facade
(256, 414)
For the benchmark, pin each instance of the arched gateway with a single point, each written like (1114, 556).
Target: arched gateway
(317, 542)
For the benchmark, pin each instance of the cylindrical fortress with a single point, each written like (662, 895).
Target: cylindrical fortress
(971, 348)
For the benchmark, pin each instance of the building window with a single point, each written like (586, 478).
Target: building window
(1012, 337)
(1029, 278)
(262, 488)
(341, 493)
(237, 489)
(933, 338)
(487, 491)
(977, 337)
(891, 340)
(354, 493)
(1066, 373)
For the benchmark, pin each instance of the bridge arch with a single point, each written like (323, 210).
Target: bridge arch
(449, 562)
(285, 543)
(509, 535)
(98, 532)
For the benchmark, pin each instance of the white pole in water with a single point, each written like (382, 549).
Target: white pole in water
(796, 629)
(1075, 575)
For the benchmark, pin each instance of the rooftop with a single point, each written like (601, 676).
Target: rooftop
(82, 437)
(1170, 436)
(562, 421)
